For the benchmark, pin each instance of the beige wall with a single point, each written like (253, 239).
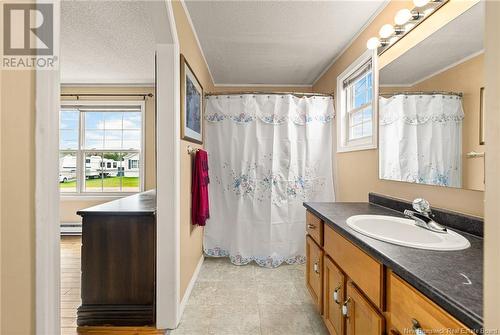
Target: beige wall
(357, 172)
(492, 224)
(68, 207)
(18, 208)
(191, 237)
(466, 77)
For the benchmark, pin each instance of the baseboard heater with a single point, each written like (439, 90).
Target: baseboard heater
(71, 228)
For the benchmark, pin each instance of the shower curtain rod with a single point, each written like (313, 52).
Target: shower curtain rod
(297, 94)
(77, 95)
(459, 94)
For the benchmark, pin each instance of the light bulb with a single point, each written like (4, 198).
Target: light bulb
(386, 31)
(420, 3)
(373, 43)
(403, 16)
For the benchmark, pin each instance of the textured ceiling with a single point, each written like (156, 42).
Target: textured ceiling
(107, 42)
(275, 42)
(456, 41)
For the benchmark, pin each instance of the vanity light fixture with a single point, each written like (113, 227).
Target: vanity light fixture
(393, 39)
(428, 11)
(405, 20)
(409, 26)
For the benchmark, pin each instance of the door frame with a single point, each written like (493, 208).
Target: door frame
(47, 225)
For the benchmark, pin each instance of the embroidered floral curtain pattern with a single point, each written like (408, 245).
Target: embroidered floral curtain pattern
(267, 155)
(421, 139)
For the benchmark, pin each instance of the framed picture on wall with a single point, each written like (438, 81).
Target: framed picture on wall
(481, 116)
(191, 105)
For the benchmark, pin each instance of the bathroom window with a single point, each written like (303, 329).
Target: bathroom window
(355, 91)
(97, 143)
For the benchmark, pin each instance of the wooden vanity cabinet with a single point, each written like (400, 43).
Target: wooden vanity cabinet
(314, 272)
(358, 296)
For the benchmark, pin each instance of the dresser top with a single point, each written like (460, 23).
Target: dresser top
(138, 204)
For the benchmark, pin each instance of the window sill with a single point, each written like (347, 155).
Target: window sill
(360, 147)
(94, 197)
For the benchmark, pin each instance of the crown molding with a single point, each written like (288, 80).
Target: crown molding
(264, 85)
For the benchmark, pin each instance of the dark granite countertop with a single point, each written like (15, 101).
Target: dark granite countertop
(138, 204)
(452, 279)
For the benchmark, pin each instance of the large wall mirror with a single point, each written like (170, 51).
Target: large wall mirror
(430, 101)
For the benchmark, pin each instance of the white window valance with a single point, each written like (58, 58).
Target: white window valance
(270, 109)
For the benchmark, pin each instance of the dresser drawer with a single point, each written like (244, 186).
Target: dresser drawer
(314, 227)
(364, 271)
(405, 304)
(314, 272)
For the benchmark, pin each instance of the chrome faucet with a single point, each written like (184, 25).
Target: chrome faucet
(423, 216)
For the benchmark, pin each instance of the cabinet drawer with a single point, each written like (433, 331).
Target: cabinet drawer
(361, 268)
(314, 227)
(314, 272)
(405, 304)
(333, 297)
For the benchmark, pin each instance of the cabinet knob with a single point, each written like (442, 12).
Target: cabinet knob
(316, 267)
(417, 328)
(336, 295)
(345, 308)
(311, 226)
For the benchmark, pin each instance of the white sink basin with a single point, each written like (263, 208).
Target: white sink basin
(404, 232)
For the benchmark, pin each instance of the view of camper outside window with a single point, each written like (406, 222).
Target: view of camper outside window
(100, 149)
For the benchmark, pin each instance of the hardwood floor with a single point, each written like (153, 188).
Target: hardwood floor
(70, 283)
(70, 295)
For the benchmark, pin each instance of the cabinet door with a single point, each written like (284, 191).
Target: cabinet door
(314, 272)
(333, 288)
(361, 317)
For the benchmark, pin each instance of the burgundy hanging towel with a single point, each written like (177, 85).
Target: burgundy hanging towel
(199, 189)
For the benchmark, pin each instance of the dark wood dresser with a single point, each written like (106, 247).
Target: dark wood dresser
(119, 262)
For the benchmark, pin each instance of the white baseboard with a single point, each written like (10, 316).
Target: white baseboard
(71, 228)
(189, 288)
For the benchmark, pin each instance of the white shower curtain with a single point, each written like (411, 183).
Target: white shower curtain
(267, 155)
(421, 139)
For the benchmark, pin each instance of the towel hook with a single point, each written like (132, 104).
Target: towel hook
(191, 150)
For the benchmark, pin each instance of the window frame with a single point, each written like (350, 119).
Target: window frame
(344, 144)
(81, 151)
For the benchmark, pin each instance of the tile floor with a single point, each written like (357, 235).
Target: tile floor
(226, 299)
(244, 300)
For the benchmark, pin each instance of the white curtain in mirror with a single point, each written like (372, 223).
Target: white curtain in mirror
(421, 139)
(267, 155)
